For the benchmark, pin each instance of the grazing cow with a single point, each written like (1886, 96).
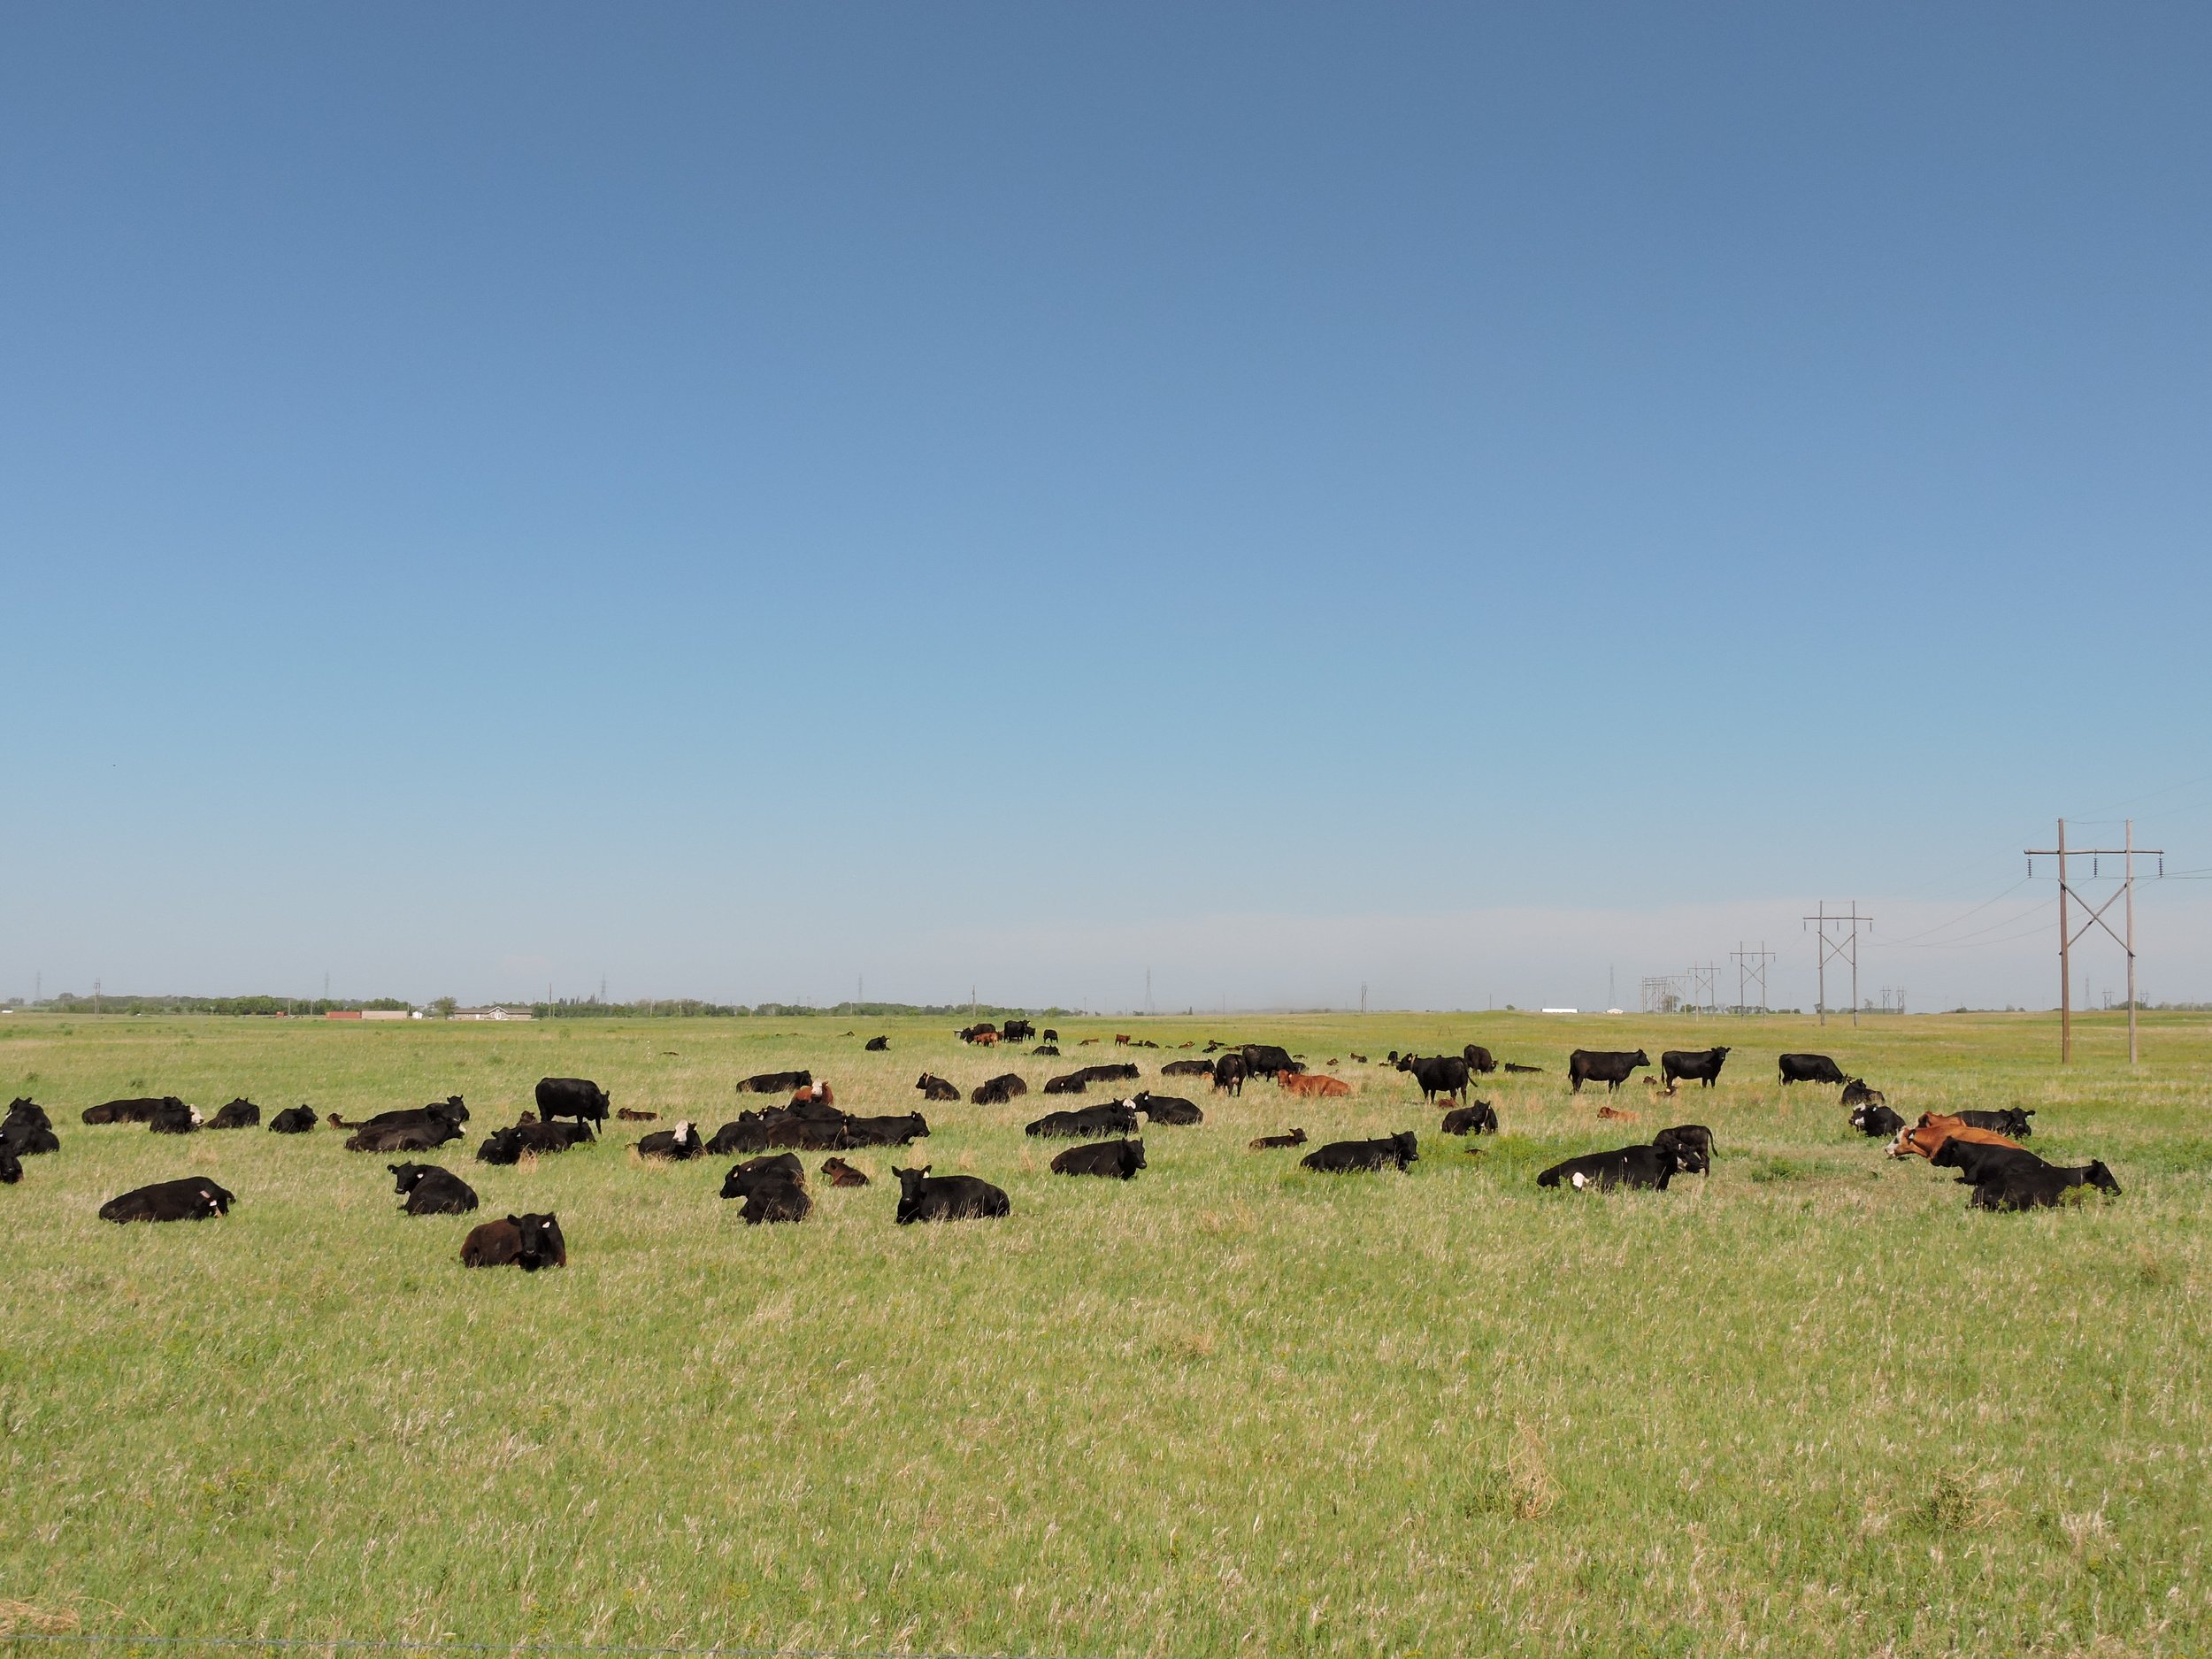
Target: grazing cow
(1118, 1118)
(1271, 1143)
(293, 1120)
(574, 1097)
(1524, 1071)
(26, 1131)
(1120, 1159)
(2010, 1120)
(924, 1197)
(998, 1090)
(1346, 1158)
(528, 1242)
(1230, 1072)
(1266, 1059)
(1697, 1065)
(1049, 1035)
(175, 1118)
(1307, 1084)
(1165, 1109)
(886, 1132)
(1476, 1119)
(837, 1172)
(192, 1198)
(631, 1115)
(935, 1087)
(1480, 1060)
(1073, 1083)
(1977, 1162)
(1808, 1068)
(422, 1137)
(1609, 1066)
(1856, 1092)
(2025, 1187)
(1188, 1068)
(878, 1045)
(1876, 1119)
(11, 1166)
(775, 1082)
(1017, 1031)
(239, 1114)
(128, 1111)
(431, 1191)
(678, 1145)
(1927, 1137)
(1624, 1166)
(1690, 1146)
(1446, 1075)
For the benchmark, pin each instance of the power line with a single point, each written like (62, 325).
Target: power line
(1844, 949)
(2067, 939)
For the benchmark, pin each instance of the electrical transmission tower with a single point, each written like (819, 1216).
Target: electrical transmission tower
(1843, 947)
(1662, 993)
(1751, 972)
(1704, 982)
(2067, 935)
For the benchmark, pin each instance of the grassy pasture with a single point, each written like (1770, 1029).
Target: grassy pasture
(1809, 1405)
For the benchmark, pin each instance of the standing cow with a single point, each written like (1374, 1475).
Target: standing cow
(1700, 1065)
(1609, 1067)
(575, 1097)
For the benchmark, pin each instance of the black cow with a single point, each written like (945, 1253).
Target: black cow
(1699, 1065)
(1691, 1145)
(782, 1166)
(1049, 1035)
(1270, 1144)
(1877, 1120)
(898, 1131)
(1045, 1049)
(924, 1197)
(769, 1202)
(1609, 1066)
(1345, 1157)
(1118, 1118)
(1856, 1092)
(576, 1097)
(998, 1090)
(128, 1111)
(239, 1114)
(1480, 1060)
(27, 1130)
(528, 1242)
(507, 1146)
(1120, 1072)
(11, 1166)
(1230, 1072)
(2019, 1187)
(1625, 1166)
(175, 1118)
(678, 1145)
(431, 1191)
(1808, 1068)
(450, 1110)
(764, 1131)
(194, 1198)
(1073, 1083)
(1265, 1059)
(775, 1082)
(2010, 1120)
(1524, 1071)
(1120, 1159)
(935, 1087)
(1480, 1118)
(1445, 1075)
(1017, 1031)
(1188, 1068)
(420, 1137)
(1165, 1109)
(878, 1045)
(293, 1120)
(1977, 1161)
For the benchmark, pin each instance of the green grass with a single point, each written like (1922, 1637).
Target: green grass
(1809, 1405)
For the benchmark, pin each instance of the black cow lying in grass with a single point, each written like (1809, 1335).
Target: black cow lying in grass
(1874, 1118)
(450, 1110)
(897, 1131)
(926, 1197)
(998, 1090)
(193, 1198)
(26, 1131)
(2040, 1186)
(293, 1120)
(1188, 1068)
(1073, 1083)
(2010, 1120)
(128, 1111)
(775, 1082)
(1691, 1145)
(1119, 1118)
(878, 1045)
(431, 1132)
(174, 1117)
(678, 1145)
(1345, 1157)
(773, 1189)
(507, 1146)
(1120, 1159)
(431, 1191)
(1166, 1108)
(528, 1242)
(1480, 1118)
(806, 1131)
(1524, 1071)
(1625, 1166)
(1272, 1143)
(935, 1087)
(1856, 1092)
(1046, 1050)
(239, 1114)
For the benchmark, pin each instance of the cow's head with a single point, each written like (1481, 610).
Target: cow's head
(542, 1245)
(1404, 1145)
(1133, 1155)
(407, 1177)
(685, 1134)
(1720, 1051)
(910, 1183)
(2100, 1177)
(211, 1200)
(1642, 1058)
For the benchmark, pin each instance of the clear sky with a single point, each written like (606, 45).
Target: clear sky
(734, 500)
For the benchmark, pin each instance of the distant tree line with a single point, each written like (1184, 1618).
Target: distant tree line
(690, 1008)
(69, 1002)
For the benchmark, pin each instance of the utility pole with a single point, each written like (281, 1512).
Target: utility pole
(1846, 947)
(2067, 935)
(1704, 982)
(1362, 996)
(96, 996)
(1751, 969)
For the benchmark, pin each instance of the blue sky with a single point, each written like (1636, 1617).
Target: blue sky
(736, 500)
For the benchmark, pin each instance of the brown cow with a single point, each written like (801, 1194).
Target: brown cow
(1306, 1085)
(1121, 1040)
(1926, 1137)
(1606, 1112)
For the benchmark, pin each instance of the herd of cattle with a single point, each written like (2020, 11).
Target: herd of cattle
(1985, 1147)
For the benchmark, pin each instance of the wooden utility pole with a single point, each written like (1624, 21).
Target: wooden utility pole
(1847, 947)
(2068, 933)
